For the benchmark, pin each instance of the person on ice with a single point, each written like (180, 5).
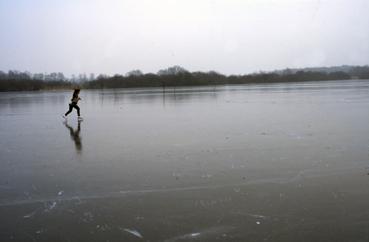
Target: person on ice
(73, 104)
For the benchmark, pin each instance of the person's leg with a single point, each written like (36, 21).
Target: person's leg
(70, 110)
(76, 107)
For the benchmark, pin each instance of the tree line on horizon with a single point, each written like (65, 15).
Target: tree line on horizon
(172, 76)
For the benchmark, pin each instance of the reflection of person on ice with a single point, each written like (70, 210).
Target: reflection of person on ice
(74, 134)
(73, 104)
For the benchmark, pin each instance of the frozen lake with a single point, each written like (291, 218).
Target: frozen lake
(268, 162)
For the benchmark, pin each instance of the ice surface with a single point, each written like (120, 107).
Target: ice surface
(186, 161)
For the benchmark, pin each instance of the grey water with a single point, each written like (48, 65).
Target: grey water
(261, 162)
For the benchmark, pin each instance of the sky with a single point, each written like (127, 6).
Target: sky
(227, 36)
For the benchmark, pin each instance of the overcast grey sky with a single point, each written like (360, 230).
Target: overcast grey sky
(228, 36)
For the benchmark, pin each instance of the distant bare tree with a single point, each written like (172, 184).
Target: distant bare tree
(134, 73)
(174, 70)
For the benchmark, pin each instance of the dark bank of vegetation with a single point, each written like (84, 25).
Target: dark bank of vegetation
(173, 76)
(25, 81)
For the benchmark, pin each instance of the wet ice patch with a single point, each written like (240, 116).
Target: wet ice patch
(205, 234)
(30, 215)
(257, 216)
(40, 231)
(134, 232)
(194, 234)
(50, 207)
